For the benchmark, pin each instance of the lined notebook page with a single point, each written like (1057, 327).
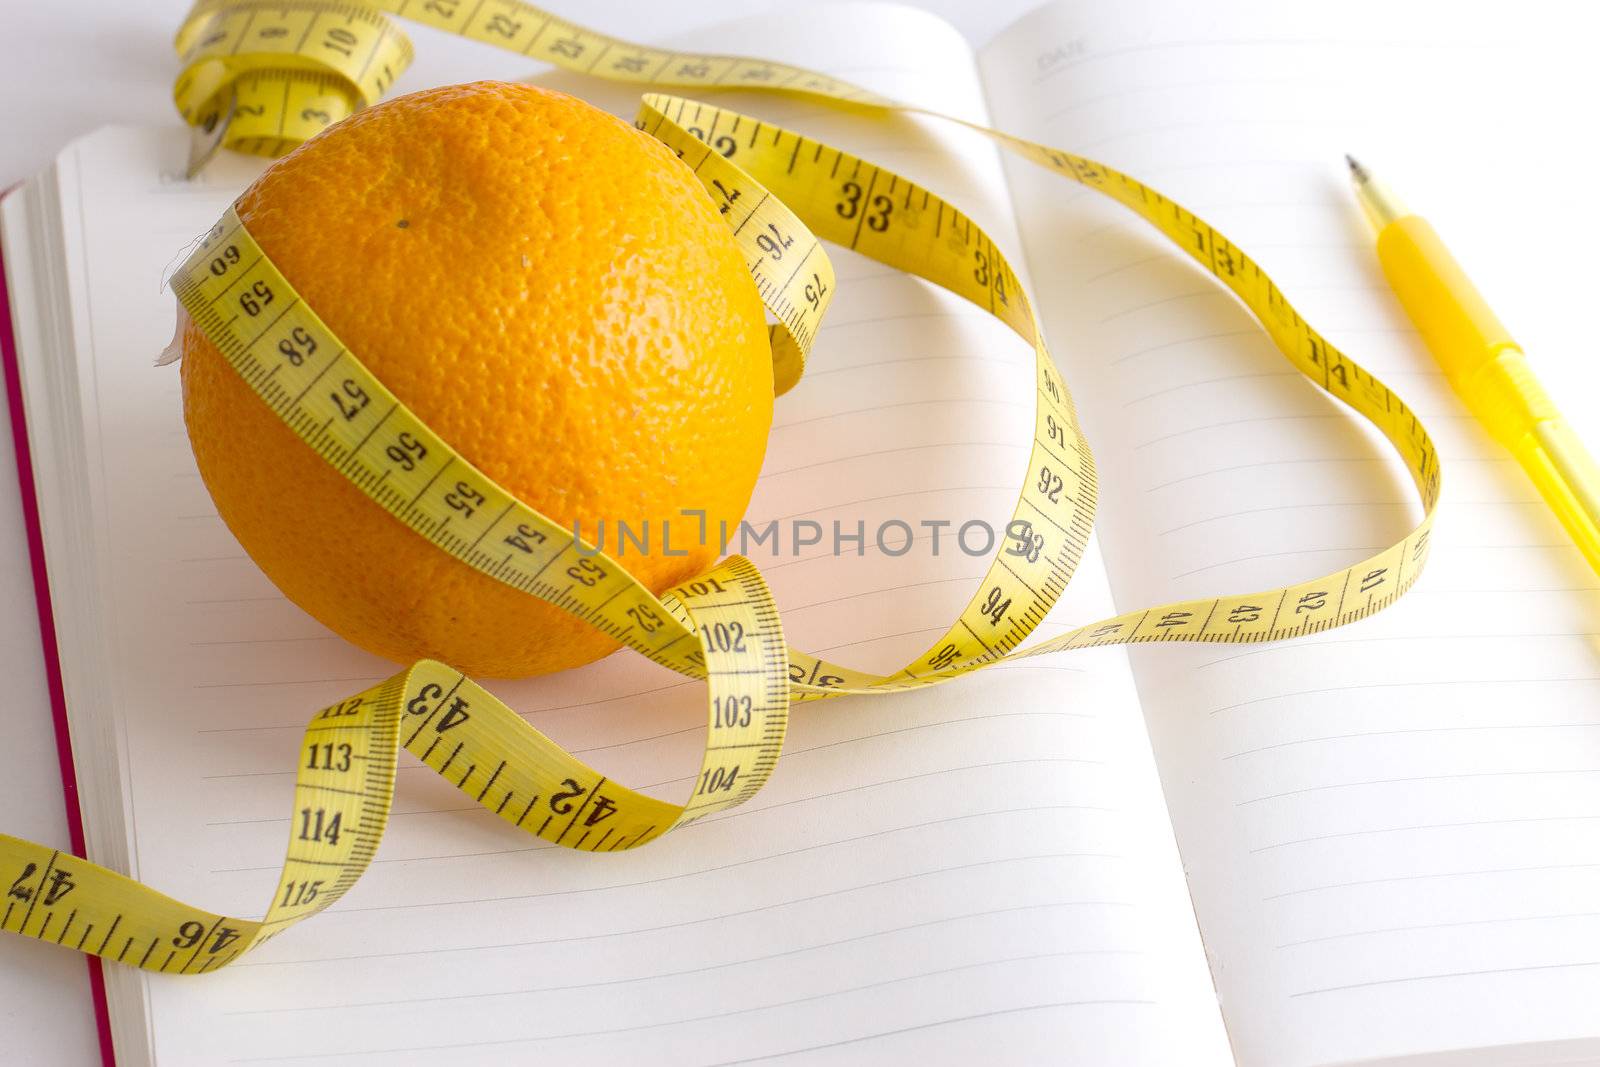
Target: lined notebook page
(1392, 830)
(940, 875)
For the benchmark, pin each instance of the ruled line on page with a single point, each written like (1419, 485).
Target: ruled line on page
(760, 910)
(1413, 927)
(501, 1042)
(711, 820)
(1447, 974)
(648, 977)
(1412, 779)
(997, 1013)
(700, 729)
(1410, 684)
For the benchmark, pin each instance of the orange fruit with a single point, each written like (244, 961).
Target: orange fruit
(555, 295)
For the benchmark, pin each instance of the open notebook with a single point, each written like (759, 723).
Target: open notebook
(1380, 843)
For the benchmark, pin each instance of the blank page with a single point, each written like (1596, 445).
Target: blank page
(1392, 830)
(936, 875)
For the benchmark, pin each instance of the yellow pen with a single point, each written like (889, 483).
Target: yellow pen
(1484, 365)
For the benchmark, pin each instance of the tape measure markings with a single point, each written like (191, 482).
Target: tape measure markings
(248, 65)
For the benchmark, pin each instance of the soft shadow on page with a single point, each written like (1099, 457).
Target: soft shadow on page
(983, 870)
(1392, 830)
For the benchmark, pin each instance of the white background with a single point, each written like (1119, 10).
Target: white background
(65, 69)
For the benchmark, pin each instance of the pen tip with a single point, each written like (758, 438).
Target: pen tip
(1357, 171)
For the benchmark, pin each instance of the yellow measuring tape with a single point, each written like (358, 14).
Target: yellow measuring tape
(265, 76)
